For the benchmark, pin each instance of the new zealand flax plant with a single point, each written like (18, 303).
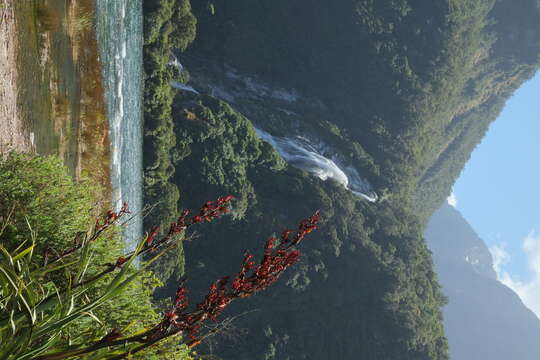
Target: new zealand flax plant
(35, 311)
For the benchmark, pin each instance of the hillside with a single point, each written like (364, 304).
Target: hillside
(390, 97)
(368, 262)
(483, 319)
(415, 84)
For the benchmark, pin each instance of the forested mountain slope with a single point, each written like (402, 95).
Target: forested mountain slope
(396, 92)
(365, 286)
(415, 83)
(483, 319)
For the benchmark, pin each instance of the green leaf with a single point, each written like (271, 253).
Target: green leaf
(23, 253)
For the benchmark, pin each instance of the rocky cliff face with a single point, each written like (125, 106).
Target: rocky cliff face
(483, 319)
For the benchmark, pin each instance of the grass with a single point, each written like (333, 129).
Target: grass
(81, 22)
(93, 142)
(34, 95)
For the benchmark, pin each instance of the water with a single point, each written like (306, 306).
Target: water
(179, 86)
(301, 153)
(119, 28)
(176, 63)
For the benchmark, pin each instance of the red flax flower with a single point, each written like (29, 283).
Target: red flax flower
(152, 235)
(278, 255)
(250, 279)
(209, 211)
(120, 261)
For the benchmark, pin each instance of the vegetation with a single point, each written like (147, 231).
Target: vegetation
(60, 87)
(400, 90)
(57, 302)
(415, 85)
(396, 315)
(54, 289)
(37, 192)
(168, 25)
(80, 23)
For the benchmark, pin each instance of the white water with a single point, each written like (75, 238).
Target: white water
(300, 153)
(184, 87)
(119, 29)
(175, 84)
(176, 63)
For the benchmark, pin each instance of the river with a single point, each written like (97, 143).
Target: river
(120, 39)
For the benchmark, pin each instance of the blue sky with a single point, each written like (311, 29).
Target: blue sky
(498, 192)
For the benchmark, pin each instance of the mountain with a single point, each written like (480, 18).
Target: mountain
(365, 286)
(483, 319)
(415, 85)
(294, 106)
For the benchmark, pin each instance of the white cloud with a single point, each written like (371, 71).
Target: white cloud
(452, 199)
(500, 256)
(528, 291)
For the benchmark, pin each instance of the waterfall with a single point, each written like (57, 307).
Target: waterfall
(301, 153)
(184, 87)
(175, 62)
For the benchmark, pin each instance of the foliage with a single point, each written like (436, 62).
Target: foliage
(401, 90)
(228, 149)
(45, 218)
(415, 84)
(249, 280)
(395, 315)
(168, 25)
(37, 193)
(38, 314)
(36, 317)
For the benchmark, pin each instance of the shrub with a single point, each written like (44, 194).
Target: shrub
(38, 197)
(45, 226)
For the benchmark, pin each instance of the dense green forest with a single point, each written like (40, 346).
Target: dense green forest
(400, 90)
(410, 81)
(168, 25)
(368, 263)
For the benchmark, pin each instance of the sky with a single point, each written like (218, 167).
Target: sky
(498, 192)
